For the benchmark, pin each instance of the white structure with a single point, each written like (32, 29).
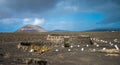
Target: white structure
(104, 48)
(69, 49)
(87, 45)
(116, 47)
(32, 50)
(97, 45)
(82, 49)
(62, 46)
(56, 50)
(94, 49)
(115, 40)
(78, 45)
(71, 46)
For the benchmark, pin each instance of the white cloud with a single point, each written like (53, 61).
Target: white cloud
(33, 21)
(38, 21)
(26, 21)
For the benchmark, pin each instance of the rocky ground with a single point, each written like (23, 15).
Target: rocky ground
(104, 52)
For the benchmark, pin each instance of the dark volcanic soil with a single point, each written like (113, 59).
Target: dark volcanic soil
(84, 54)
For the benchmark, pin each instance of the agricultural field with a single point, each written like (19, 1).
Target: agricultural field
(87, 48)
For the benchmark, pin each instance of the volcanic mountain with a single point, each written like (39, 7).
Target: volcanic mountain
(31, 28)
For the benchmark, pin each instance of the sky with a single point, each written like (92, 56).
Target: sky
(72, 15)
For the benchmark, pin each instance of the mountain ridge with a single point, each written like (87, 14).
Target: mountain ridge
(31, 28)
(105, 29)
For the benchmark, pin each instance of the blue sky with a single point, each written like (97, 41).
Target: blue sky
(72, 15)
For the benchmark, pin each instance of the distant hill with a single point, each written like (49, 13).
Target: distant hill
(31, 28)
(60, 31)
(105, 29)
